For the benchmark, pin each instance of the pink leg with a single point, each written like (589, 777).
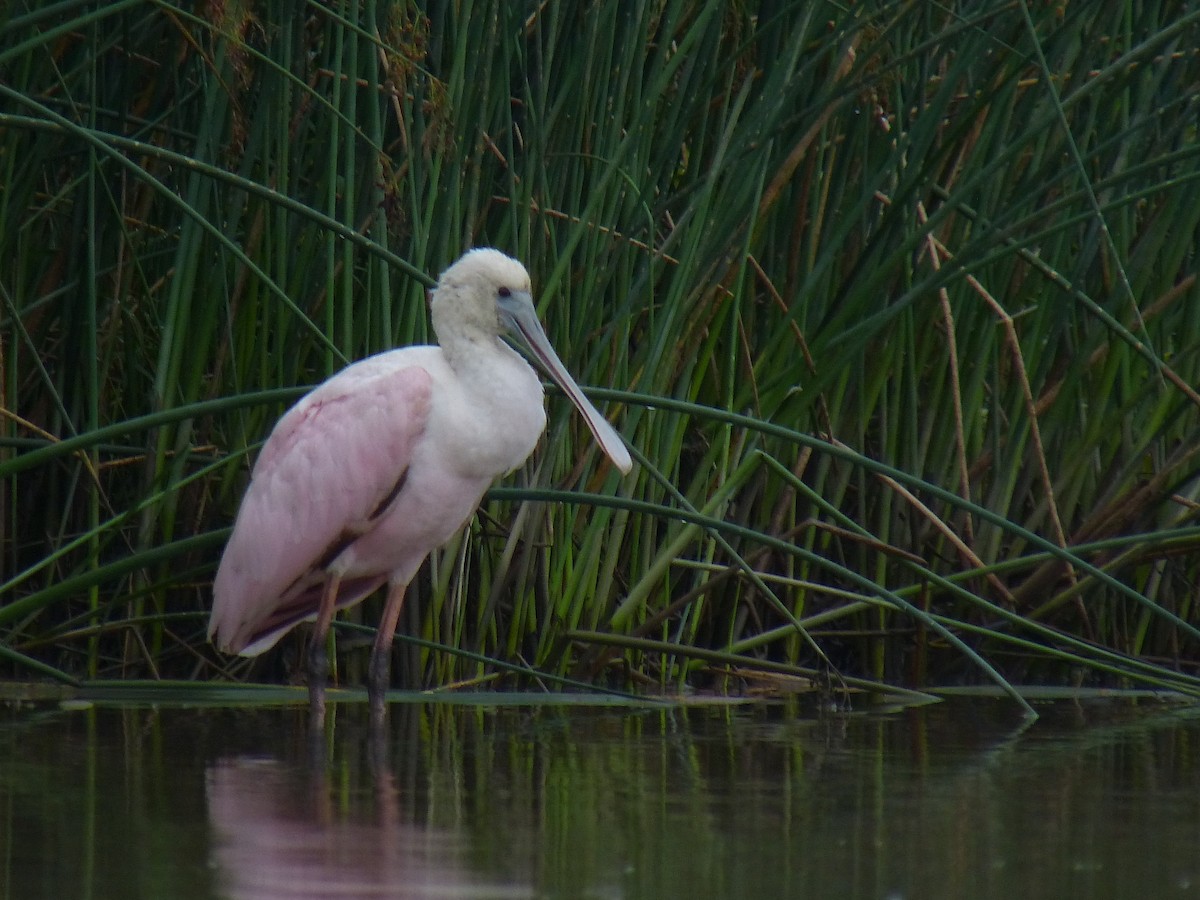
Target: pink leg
(318, 658)
(381, 653)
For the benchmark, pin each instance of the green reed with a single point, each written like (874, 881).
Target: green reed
(897, 305)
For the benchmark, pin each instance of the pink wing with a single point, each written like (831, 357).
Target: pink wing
(330, 464)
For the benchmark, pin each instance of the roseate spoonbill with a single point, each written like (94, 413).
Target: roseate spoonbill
(384, 462)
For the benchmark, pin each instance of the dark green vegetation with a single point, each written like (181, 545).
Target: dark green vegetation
(895, 302)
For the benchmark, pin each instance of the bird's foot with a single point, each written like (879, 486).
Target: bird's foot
(316, 705)
(378, 680)
(318, 674)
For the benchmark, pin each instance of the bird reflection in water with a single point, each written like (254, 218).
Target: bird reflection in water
(282, 831)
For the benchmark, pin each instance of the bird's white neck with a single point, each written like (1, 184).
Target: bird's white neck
(500, 411)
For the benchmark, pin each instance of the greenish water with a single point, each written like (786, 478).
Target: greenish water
(957, 799)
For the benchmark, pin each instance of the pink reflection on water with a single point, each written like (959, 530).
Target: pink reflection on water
(279, 834)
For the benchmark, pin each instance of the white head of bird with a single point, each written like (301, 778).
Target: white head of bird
(467, 295)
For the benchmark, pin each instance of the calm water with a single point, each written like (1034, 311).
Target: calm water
(952, 800)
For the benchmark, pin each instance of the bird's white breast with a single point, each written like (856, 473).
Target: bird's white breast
(488, 411)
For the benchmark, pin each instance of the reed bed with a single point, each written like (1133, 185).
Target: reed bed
(895, 303)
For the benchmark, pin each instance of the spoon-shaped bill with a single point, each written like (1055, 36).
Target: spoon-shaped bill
(520, 316)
